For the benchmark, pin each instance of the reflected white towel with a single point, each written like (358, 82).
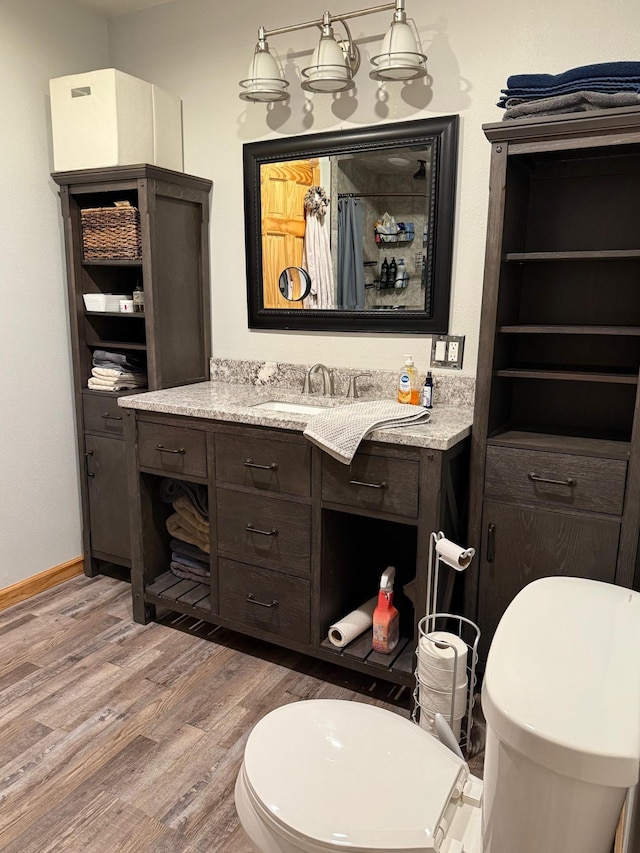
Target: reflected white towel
(340, 431)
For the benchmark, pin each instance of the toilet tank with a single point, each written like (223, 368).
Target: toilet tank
(561, 696)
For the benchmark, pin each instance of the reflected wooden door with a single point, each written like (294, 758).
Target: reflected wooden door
(283, 187)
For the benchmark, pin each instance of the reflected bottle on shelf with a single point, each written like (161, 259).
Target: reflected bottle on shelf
(393, 273)
(384, 274)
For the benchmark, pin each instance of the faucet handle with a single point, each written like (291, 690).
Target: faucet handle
(352, 390)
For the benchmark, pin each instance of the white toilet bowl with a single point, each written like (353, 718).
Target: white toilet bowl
(562, 701)
(325, 775)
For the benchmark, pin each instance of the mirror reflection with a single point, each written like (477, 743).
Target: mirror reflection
(358, 223)
(353, 229)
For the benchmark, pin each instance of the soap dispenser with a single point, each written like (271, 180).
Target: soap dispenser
(408, 391)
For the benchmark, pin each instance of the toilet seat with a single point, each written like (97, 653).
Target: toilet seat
(331, 774)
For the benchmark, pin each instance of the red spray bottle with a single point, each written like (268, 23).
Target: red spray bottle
(386, 619)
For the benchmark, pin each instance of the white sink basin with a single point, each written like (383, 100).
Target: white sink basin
(294, 408)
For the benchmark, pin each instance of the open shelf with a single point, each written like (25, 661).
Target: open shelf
(139, 314)
(399, 660)
(114, 262)
(598, 443)
(539, 329)
(567, 375)
(589, 255)
(99, 344)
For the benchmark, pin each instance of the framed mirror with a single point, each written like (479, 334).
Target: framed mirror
(367, 214)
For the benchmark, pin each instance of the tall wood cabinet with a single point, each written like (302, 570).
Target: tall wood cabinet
(171, 338)
(555, 471)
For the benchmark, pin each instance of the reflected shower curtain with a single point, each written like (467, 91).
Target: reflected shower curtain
(350, 257)
(317, 252)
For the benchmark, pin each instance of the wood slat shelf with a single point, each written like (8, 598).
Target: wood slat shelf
(593, 255)
(95, 342)
(360, 650)
(568, 375)
(535, 329)
(171, 591)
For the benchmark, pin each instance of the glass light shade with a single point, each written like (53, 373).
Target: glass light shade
(329, 70)
(264, 83)
(400, 58)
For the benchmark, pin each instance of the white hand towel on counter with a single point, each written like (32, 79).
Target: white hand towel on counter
(340, 431)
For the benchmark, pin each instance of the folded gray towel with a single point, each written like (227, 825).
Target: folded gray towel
(573, 103)
(188, 574)
(340, 431)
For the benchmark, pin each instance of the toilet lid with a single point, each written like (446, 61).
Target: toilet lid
(350, 775)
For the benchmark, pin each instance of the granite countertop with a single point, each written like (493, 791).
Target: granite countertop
(234, 403)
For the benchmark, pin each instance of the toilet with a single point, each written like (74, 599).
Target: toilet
(561, 697)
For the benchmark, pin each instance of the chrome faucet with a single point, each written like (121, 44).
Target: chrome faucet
(327, 380)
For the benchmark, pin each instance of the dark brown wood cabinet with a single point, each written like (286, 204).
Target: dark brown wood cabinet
(171, 338)
(555, 463)
(297, 539)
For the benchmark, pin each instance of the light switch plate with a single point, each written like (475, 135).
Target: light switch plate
(446, 351)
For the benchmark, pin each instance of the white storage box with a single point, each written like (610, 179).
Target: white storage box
(104, 301)
(108, 118)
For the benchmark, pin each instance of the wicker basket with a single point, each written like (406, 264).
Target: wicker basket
(111, 233)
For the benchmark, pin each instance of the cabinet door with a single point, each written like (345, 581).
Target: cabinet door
(108, 498)
(521, 544)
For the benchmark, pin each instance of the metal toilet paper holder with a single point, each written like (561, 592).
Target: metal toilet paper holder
(457, 558)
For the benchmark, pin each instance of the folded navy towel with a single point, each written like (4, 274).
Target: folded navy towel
(188, 562)
(186, 549)
(170, 490)
(583, 86)
(582, 72)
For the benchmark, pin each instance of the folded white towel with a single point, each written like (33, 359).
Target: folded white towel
(115, 372)
(115, 384)
(340, 431)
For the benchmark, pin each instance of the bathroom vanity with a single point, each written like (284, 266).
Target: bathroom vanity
(297, 538)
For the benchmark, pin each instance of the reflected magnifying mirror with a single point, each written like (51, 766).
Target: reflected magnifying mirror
(294, 284)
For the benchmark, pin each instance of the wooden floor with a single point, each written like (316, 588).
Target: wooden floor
(122, 737)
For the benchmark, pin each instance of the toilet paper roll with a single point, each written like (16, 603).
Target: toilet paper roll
(437, 657)
(453, 555)
(355, 623)
(439, 702)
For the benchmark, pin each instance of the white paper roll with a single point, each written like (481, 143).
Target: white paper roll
(355, 623)
(453, 555)
(437, 657)
(439, 702)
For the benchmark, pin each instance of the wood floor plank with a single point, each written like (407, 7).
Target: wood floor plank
(121, 737)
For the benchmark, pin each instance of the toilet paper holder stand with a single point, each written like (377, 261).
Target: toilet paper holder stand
(442, 550)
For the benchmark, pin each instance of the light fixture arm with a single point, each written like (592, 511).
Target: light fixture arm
(398, 5)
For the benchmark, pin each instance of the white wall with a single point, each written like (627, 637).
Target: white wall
(39, 500)
(200, 50)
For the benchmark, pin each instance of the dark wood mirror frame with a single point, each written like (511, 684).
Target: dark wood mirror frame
(442, 134)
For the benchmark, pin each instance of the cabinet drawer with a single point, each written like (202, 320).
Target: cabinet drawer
(373, 483)
(102, 414)
(264, 463)
(173, 449)
(265, 600)
(558, 479)
(264, 531)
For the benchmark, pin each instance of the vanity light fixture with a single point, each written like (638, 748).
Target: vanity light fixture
(335, 61)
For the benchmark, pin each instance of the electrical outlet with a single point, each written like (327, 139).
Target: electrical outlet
(446, 351)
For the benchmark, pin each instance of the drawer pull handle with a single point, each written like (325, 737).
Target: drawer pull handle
(110, 417)
(251, 464)
(570, 481)
(491, 542)
(381, 485)
(251, 529)
(87, 456)
(252, 600)
(164, 449)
